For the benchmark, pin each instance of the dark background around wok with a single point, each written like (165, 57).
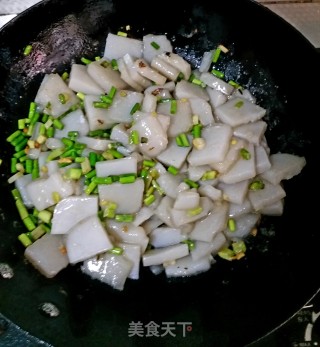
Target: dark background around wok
(235, 303)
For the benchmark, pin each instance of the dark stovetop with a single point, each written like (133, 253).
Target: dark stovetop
(302, 330)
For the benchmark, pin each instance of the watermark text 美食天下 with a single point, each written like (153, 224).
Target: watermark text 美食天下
(159, 329)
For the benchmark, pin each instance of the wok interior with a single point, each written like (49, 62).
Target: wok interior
(235, 302)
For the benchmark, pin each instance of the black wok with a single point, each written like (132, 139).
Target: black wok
(235, 303)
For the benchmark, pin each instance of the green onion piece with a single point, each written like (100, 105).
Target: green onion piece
(91, 174)
(191, 244)
(209, 175)
(216, 55)
(69, 153)
(115, 153)
(81, 96)
(154, 173)
(58, 124)
(50, 132)
(143, 173)
(27, 50)
(194, 211)
(163, 100)
(32, 109)
(173, 106)
(149, 191)
(62, 98)
(14, 177)
(14, 162)
(17, 140)
(192, 76)
(20, 167)
(35, 170)
(196, 131)
(93, 158)
(23, 159)
(21, 123)
(173, 170)
(125, 179)
(256, 185)
(85, 165)
(90, 188)
(182, 140)
(197, 81)
(55, 154)
(74, 173)
(39, 231)
(42, 130)
(86, 61)
(179, 141)
(13, 136)
(32, 143)
(45, 118)
(195, 119)
(149, 200)
(65, 76)
(239, 247)
(121, 33)
(79, 146)
(16, 194)
(148, 163)
(96, 133)
(109, 204)
(110, 210)
(48, 106)
(25, 240)
(217, 73)
(56, 197)
(126, 218)
(235, 84)
(99, 104)
(102, 180)
(28, 222)
(73, 134)
(109, 213)
(23, 212)
(45, 216)
(226, 253)
(134, 137)
(115, 178)
(154, 45)
(35, 212)
(46, 227)
(239, 104)
(180, 77)
(67, 142)
(116, 250)
(105, 63)
(135, 108)
(114, 64)
(21, 145)
(29, 166)
(156, 186)
(106, 98)
(190, 183)
(112, 92)
(232, 224)
(30, 130)
(245, 154)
